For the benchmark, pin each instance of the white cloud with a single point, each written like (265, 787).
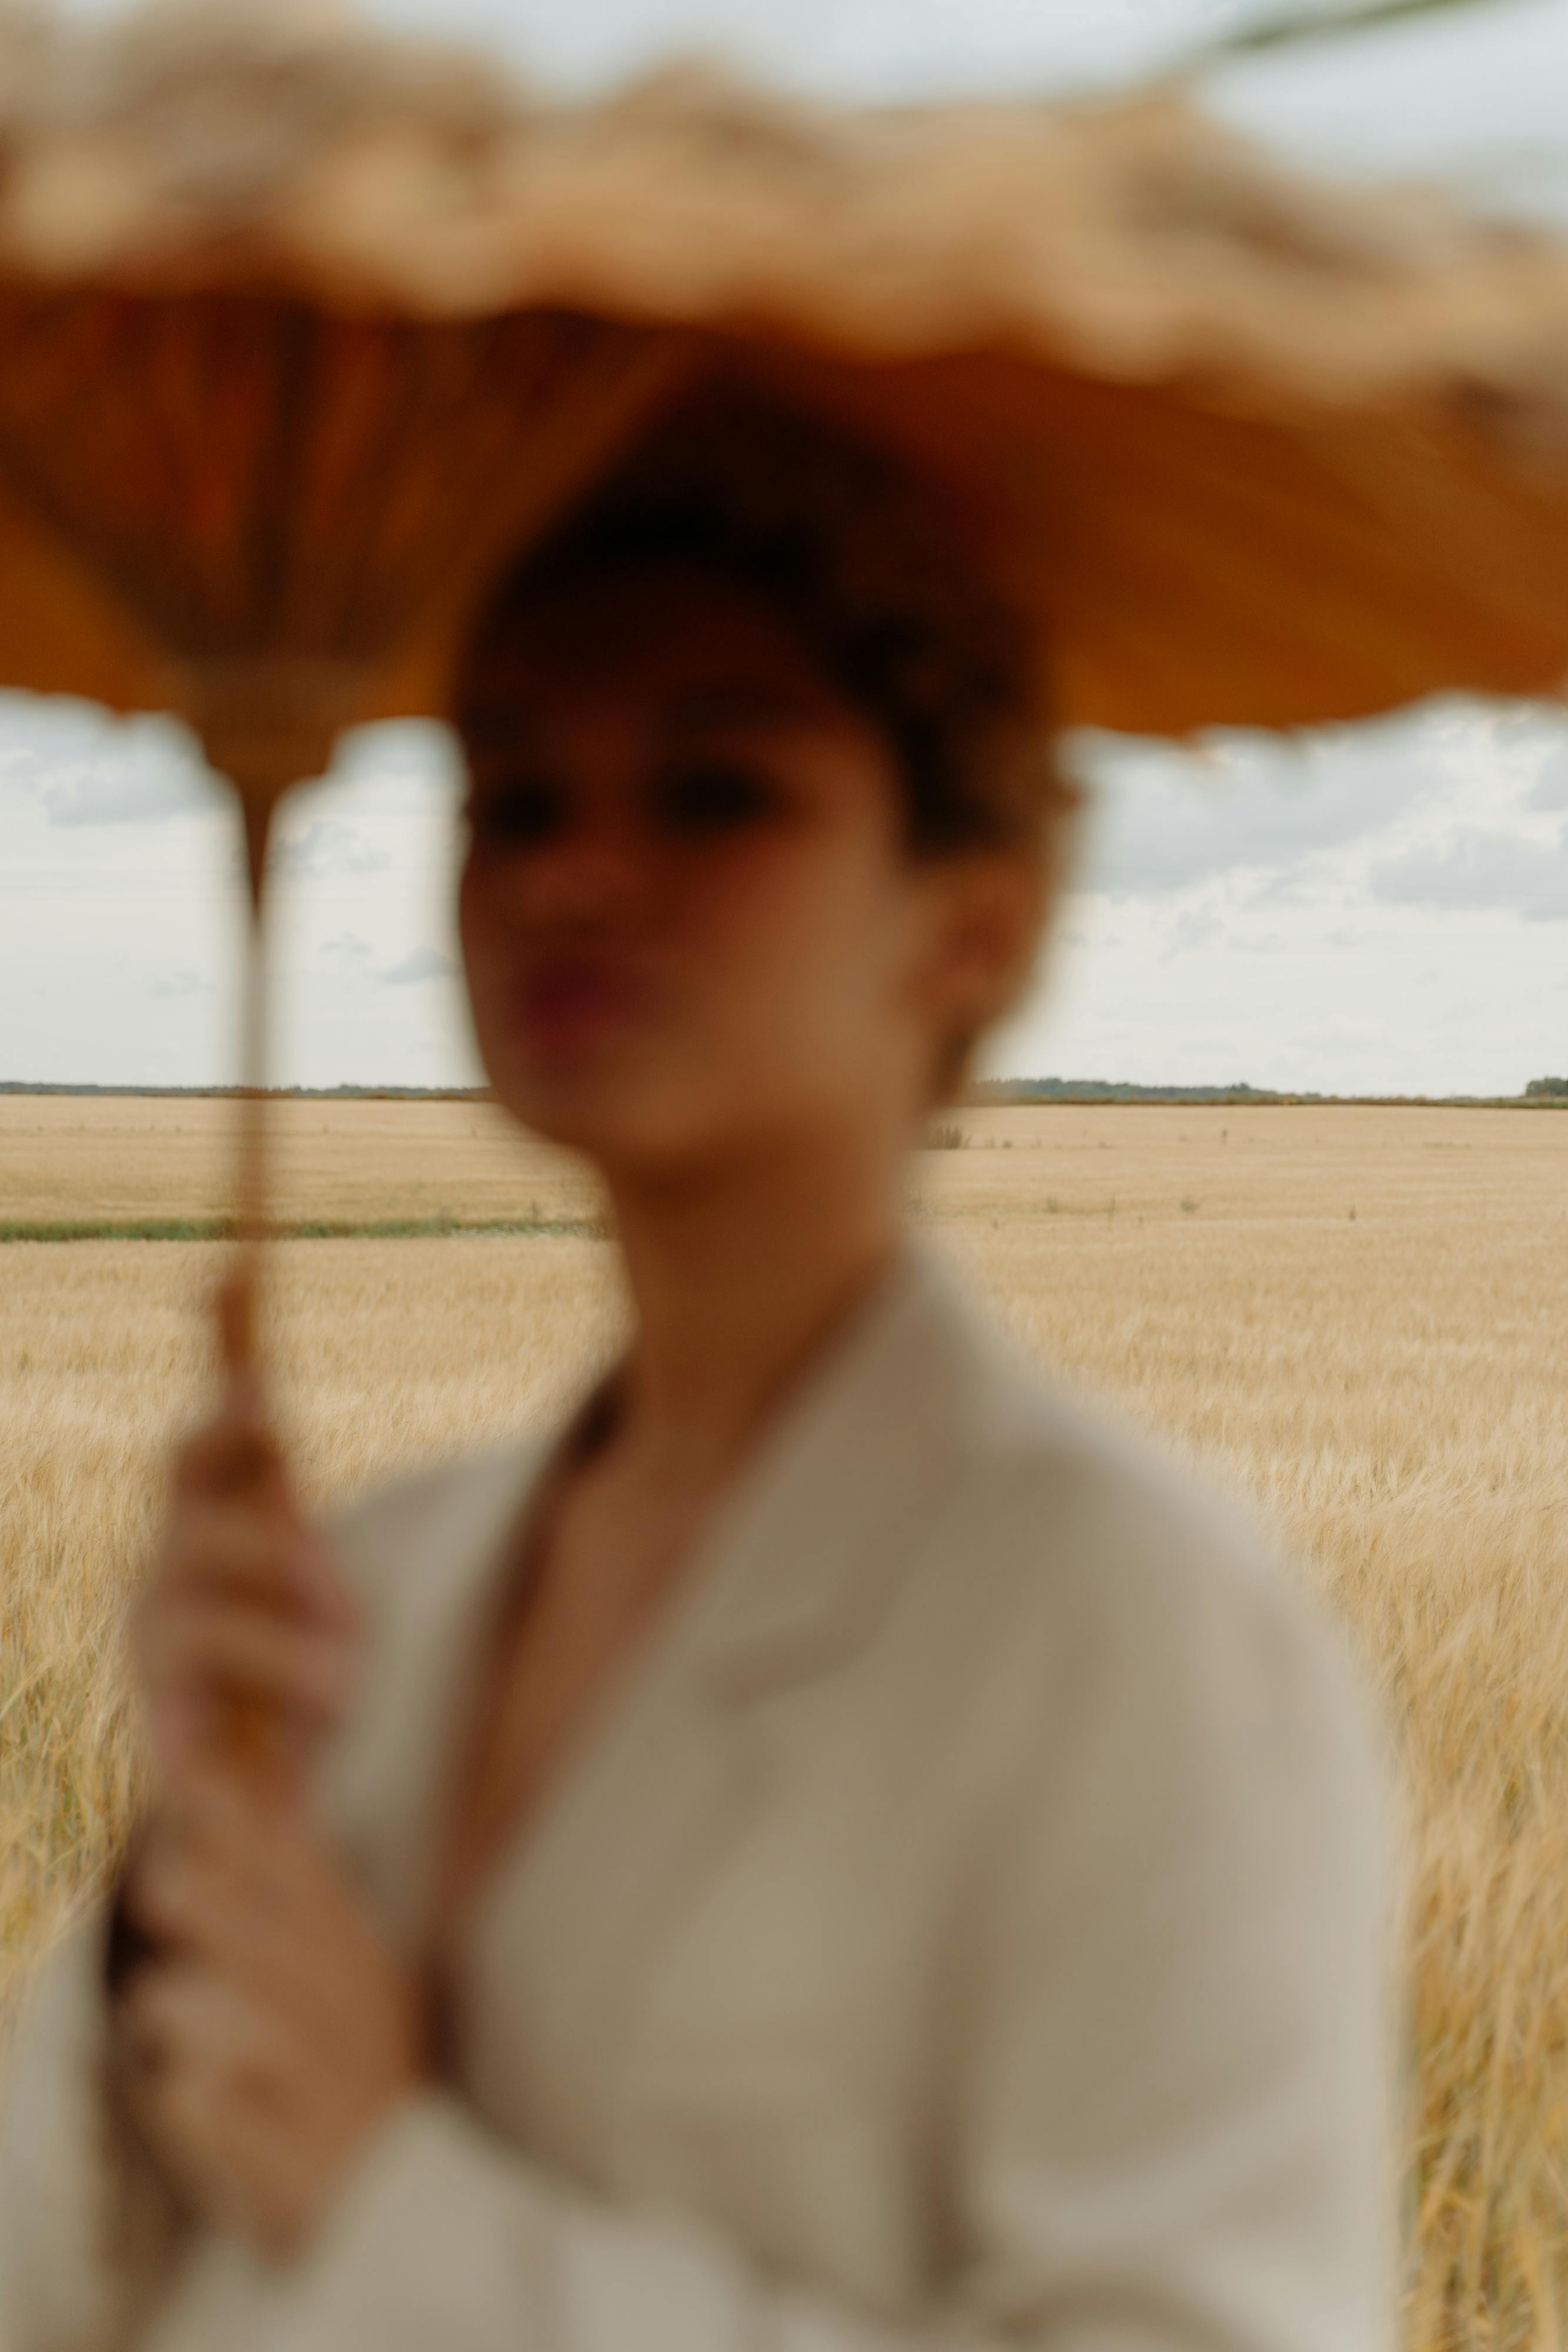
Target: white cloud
(107, 795)
(399, 756)
(1552, 788)
(1290, 913)
(1473, 95)
(1165, 820)
(1483, 869)
(326, 846)
(1296, 816)
(83, 766)
(419, 964)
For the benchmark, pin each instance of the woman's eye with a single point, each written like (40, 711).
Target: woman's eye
(713, 797)
(517, 815)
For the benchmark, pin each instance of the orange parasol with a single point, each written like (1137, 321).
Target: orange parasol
(302, 333)
(302, 329)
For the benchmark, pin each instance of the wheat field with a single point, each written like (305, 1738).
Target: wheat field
(1354, 1314)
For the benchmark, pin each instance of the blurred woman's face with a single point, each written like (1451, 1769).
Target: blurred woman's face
(690, 923)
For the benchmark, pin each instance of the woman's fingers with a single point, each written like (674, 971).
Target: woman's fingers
(214, 2083)
(209, 2077)
(196, 1644)
(275, 2027)
(183, 2010)
(220, 1915)
(246, 1638)
(235, 1550)
(248, 1606)
(244, 1890)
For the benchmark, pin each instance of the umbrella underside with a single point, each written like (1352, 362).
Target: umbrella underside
(274, 517)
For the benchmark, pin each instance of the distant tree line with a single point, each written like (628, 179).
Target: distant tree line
(1092, 1090)
(983, 1090)
(1025, 1090)
(348, 1092)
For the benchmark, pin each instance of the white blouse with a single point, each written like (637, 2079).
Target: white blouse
(962, 1922)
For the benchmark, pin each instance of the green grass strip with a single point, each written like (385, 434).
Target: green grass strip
(312, 1229)
(102, 1229)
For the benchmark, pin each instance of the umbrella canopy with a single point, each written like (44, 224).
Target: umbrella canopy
(302, 331)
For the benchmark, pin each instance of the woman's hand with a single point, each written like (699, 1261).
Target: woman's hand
(247, 1639)
(273, 2031)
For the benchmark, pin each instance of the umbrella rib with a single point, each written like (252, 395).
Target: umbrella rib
(59, 497)
(446, 386)
(407, 414)
(265, 541)
(115, 566)
(193, 418)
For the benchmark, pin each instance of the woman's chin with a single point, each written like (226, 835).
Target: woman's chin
(603, 1113)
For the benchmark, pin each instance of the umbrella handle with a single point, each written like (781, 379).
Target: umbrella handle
(267, 721)
(251, 1734)
(240, 1334)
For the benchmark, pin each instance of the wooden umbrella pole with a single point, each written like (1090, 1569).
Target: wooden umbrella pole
(268, 725)
(253, 1738)
(268, 721)
(240, 1334)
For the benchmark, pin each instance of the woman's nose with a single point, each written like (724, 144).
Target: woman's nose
(594, 865)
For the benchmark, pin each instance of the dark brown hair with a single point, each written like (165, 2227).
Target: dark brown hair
(868, 562)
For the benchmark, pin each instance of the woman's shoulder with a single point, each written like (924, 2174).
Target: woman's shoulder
(1121, 1503)
(1105, 1547)
(1132, 1655)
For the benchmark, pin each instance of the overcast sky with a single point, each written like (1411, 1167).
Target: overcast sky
(1378, 908)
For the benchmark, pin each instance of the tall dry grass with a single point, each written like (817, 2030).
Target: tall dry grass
(1390, 1383)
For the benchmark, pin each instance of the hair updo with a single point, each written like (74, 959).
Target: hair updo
(868, 563)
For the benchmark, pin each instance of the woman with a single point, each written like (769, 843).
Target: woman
(834, 1848)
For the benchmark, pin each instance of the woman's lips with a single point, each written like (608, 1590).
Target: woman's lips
(572, 1002)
